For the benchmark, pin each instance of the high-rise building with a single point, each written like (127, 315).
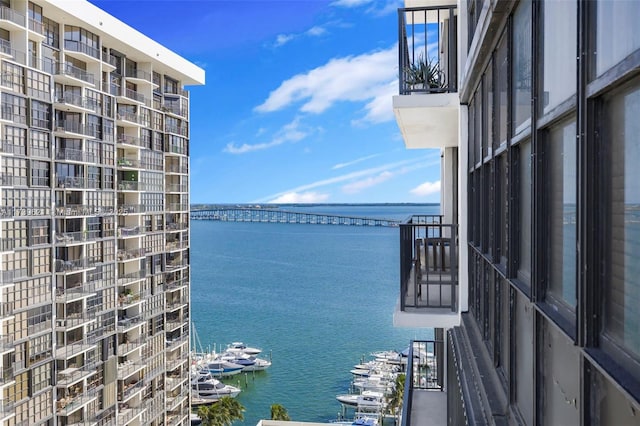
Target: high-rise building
(94, 220)
(531, 276)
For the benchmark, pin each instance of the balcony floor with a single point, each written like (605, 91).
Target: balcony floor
(429, 407)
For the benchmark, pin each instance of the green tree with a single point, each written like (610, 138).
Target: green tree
(222, 413)
(395, 400)
(278, 412)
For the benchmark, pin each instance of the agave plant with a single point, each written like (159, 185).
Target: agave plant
(424, 73)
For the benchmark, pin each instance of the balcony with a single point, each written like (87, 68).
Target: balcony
(76, 102)
(69, 154)
(12, 19)
(428, 274)
(427, 107)
(73, 46)
(63, 265)
(66, 69)
(129, 140)
(137, 74)
(425, 401)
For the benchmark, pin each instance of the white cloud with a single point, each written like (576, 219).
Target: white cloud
(364, 78)
(315, 31)
(352, 188)
(405, 165)
(379, 109)
(374, 7)
(426, 188)
(288, 133)
(352, 162)
(303, 197)
(350, 3)
(283, 39)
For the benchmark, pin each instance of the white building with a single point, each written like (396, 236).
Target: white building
(94, 219)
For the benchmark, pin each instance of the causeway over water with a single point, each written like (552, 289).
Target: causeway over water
(275, 215)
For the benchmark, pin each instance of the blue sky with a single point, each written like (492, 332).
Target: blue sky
(297, 102)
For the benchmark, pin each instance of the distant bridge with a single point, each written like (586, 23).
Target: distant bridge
(247, 214)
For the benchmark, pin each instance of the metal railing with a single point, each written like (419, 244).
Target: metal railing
(425, 370)
(428, 263)
(427, 49)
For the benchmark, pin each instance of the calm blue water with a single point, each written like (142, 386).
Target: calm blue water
(317, 298)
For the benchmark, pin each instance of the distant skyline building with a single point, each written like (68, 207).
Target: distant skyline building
(530, 277)
(94, 220)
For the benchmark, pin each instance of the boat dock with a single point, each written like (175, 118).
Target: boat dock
(253, 214)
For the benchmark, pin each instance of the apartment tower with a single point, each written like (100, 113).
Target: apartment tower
(94, 220)
(531, 276)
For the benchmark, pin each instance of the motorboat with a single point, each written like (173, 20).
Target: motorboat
(365, 421)
(376, 382)
(222, 368)
(248, 362)
(239, 347)
(205, 386)
(359, 420)
(365, 400)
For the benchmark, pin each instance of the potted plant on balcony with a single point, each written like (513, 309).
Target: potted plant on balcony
(424, 75)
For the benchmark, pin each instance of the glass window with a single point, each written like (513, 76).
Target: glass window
(524, 235)
(39, 173)
(621, 319)
(562, 214)
(14, 108)
(40, 114)
(521, 66)
(12, 77)
(51, 33)
(560, 52)
(501, 88)
(502, 210)
(39, 143)
(613, 46)
(38, 85)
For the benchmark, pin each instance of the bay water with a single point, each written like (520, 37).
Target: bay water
(317, 299)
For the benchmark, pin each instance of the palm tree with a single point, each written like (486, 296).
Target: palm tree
(395, 400)
(278, 412)
(222, 413)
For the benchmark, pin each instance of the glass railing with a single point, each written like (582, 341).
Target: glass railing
(78, 46)
(66, 68)
(8, 14)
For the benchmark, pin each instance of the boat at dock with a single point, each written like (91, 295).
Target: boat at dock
(365, 400)
(239, 347)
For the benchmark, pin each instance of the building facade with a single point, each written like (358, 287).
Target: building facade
(94, 223)
(535, 108)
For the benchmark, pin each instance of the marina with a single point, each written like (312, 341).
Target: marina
(316, 299)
